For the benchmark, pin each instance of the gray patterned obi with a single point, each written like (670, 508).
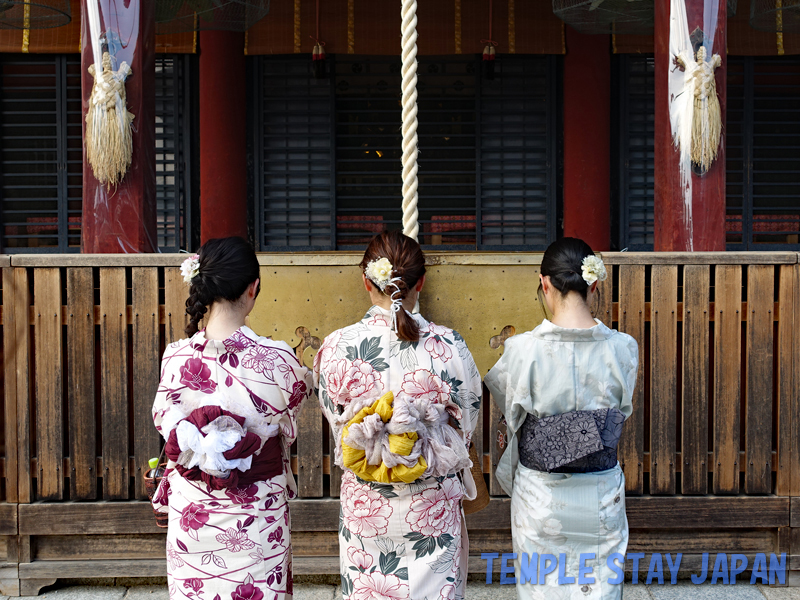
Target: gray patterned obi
(580, 441)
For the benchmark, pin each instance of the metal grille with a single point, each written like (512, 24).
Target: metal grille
(517, 154)
(735, 172)
(173, 143)
(635, 167)
(330, 177)
(293, 156)
(763, 164)
(41, 176)
(762, 153)
(40, 140)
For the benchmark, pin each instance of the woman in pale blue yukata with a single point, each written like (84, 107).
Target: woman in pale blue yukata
(565, 389)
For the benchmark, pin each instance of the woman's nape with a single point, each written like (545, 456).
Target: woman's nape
(567, 295)
(225, 289)
(378, 298)
(407, 275)
(225, 317)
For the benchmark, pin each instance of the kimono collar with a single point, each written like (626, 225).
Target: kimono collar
(553, 333)
(236, 342)
(382, 317)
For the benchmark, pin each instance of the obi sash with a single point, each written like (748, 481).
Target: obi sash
(580, 441)
(268, 463)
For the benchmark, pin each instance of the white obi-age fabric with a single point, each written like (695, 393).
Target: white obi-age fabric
(548, 371)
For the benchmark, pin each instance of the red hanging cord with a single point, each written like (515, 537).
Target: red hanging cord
(488, 51)
(318, 54)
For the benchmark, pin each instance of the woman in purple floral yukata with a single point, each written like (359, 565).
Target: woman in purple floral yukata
(402, 396)
(227, 406)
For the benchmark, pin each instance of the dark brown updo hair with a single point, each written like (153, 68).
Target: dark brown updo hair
(227, 267)
(562, 262)
(408, 264)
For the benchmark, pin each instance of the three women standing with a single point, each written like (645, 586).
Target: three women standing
(565, 389)
(402, 396)
(227, 405)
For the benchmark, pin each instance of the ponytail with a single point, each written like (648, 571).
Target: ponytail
(408, 266)
(407, 326)
(196, 307)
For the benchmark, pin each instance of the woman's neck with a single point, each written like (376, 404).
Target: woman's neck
(382, 300)
(223, 320)
(572, 312)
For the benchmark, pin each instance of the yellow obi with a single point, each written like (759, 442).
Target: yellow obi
(402, 444)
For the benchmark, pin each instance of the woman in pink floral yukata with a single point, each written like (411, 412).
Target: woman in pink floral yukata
(227, 405)
(405, 454)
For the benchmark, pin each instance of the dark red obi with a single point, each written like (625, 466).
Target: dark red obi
(265, 465)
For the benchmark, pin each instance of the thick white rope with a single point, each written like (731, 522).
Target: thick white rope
(93, 14)
(409, 89)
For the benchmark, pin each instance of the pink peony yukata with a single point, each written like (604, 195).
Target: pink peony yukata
(228, 410)
(403, 540)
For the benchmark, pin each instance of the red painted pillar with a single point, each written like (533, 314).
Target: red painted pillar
(123, 219)
(698, 225)
(223, 135)
(587, 129)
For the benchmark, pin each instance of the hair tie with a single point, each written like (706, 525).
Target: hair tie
(397, 303)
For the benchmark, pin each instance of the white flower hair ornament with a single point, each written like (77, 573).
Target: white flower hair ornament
(593, 269)
(379, 272)
(190, 268)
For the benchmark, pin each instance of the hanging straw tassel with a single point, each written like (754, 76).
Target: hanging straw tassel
(109, 140)
(707, 121)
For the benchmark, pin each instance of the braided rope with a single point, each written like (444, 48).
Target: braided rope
(409, 89)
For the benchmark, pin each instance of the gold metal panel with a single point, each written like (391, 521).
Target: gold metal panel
(478, 301)
(478, 295)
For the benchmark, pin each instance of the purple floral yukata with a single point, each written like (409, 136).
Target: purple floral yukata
(229, 543)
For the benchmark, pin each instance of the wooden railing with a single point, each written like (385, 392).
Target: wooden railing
(711, 449)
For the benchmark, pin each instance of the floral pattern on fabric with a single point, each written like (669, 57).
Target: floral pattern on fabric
(232, 543)
(399, 541)
(578, 441)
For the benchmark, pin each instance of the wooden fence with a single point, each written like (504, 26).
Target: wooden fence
(711, 454)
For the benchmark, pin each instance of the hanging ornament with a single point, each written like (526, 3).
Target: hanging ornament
(34, 14)
(488, 50)
(318, 54)
(701, 87)
(109, 139)
(488, 61)
(780, 16)
(318, 61)
(175, 16)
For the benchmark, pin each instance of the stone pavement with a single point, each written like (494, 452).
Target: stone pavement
(475, 591)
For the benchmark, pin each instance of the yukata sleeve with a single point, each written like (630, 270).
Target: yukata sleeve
(471, 391)
(295, 383)
(325, 366)
(628, 357)
(167, 410)
(509, 382)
